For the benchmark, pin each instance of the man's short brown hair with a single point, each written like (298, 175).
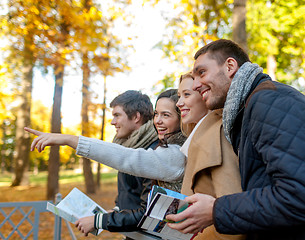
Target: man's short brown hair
(222, 49)
(133, 101)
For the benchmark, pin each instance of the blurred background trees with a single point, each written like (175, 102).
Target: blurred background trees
(81, 37)
(276, 38)
(270, 31)
(48, 35)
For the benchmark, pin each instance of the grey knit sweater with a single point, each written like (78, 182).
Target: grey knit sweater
(166, 164)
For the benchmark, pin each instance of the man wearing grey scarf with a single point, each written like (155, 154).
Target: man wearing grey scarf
(265, 122)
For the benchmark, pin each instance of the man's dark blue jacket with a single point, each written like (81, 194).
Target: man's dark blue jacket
(269, 137)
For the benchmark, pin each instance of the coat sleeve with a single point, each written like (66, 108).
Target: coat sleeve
(274, 140)
(166, 164)
(127, 220)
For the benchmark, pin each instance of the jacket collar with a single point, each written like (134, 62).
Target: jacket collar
(236, 130)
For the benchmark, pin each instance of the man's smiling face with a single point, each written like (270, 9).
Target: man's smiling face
(211, 80)
(123, 125)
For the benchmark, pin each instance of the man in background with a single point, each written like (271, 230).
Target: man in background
(132, 117)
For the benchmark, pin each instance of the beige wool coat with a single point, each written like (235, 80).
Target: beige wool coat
(212, 167)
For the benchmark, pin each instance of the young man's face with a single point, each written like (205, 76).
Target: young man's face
(124, 126)
(211, 80)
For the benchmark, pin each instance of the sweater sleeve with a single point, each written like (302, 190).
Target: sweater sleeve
(166, 164)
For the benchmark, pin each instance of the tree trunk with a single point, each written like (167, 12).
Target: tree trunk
(98, 178)
(89, 180)
(271, 66)
(3, 147)
(24, 116)
(54, 160)
(239, 23)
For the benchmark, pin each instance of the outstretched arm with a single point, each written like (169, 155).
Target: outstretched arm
(51, 139)
(166, 164)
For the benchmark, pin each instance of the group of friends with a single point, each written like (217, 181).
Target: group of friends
(229, 137)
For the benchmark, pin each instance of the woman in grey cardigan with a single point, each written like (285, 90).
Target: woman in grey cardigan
(165, 164)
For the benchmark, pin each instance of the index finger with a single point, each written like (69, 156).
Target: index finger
(76, 223)
(30, 130)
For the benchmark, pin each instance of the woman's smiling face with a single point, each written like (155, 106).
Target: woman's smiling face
(190, 102)
(166, 119)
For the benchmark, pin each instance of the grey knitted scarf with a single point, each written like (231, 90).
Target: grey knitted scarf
(238, 91)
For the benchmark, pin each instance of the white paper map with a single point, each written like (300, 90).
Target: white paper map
(60, 212)
(76, 205)
(162, 202)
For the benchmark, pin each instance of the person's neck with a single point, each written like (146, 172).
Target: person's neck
(136, 128)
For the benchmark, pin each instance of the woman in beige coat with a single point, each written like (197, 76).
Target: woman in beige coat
(212, 166)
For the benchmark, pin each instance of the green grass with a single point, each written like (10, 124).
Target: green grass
(65, 176)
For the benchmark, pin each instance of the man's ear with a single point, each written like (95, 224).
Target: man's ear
(231, 66)
(137, 117)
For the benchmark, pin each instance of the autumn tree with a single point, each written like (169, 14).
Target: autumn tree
(276, 38)
(94, 42)
(40, 120)
(42, 36)
(7, 119)
(84, 34)
(239, 23)
(35, 39)
(110, 63)
(54, 46)
(272, 32)
(20, 27)
(191, 25)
